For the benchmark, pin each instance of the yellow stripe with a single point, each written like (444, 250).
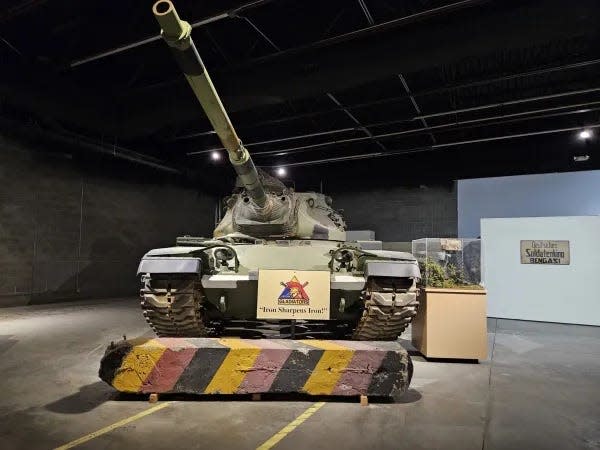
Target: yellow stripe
(325, 345)
(238, 362)
(95, 434)
(273, 440)
(137, 365)
(329, 369)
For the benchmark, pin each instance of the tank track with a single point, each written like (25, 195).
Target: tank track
(173, 307)
(386, 315)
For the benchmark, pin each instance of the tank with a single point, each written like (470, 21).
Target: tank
(215, 286)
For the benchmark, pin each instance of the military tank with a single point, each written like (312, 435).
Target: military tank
(211, 286)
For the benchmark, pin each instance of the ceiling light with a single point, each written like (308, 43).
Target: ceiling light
(585, 134)
(581, 158)
(281, 172)
(215, 156)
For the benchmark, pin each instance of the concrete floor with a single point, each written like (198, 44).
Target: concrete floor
(539, 390)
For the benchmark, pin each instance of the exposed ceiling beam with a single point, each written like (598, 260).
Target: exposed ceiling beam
(535, 72)
(199, 23)
(447, 127)
(272, 141)
(456, 124)
(379, 27)
(453, 112)
(12, 47)
(366, 12)
(353, 118)
(368, 58)
(415, 105)
(258, 30)
(429, 147)
(145, 113)
(335, 68)
(353, 35)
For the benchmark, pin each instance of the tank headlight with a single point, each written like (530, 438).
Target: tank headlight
(223, 254)
(343, 256)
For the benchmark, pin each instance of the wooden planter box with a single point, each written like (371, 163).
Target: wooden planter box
(451, 323)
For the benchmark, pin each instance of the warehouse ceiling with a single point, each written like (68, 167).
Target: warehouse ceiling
(346, 92)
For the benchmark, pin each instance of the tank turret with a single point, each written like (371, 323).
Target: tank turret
(263, 206)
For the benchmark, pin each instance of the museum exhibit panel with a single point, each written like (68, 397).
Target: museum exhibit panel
(451, 321)
(554, 263)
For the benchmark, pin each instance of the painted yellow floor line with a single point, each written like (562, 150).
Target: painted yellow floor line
(273, 440)
(120, 423)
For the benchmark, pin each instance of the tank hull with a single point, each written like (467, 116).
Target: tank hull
(183, 294)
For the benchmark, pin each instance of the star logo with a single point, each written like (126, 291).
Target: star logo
(293, 293)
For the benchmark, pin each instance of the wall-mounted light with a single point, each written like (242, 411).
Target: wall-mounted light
(281, 172)
(215, 156)
(581, 158)
(585, 135)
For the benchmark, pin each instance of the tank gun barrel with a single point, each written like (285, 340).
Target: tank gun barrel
(177, 34)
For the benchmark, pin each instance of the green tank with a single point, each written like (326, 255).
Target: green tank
(210, 287)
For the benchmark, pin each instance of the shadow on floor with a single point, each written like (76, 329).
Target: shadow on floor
(450, 360)
(407, 344)
(6, 342)
(410, 396)
(88, 398)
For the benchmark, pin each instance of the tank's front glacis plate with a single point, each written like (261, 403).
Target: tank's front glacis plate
(293, 294)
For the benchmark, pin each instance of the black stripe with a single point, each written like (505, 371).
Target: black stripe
(296, 371)
(189, 60)
(112, 360)
(201, 370)
(392, 375)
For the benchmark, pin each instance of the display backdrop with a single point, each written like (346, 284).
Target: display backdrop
(562, 284)
(543, 195)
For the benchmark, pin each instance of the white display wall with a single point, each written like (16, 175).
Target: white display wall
(543, 292)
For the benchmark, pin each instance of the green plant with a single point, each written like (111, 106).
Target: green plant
(438, 276)
(432, 274)
(455, 276)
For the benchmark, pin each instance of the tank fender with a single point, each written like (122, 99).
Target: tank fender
(401, 269)
(170, 251)
(170, 265)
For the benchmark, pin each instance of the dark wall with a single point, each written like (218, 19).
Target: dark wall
(67, 232)
(401, 213)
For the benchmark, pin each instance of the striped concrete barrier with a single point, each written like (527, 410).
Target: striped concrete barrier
(244, 366)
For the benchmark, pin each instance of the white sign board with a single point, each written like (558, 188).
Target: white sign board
(293, 294)
(545, 252)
